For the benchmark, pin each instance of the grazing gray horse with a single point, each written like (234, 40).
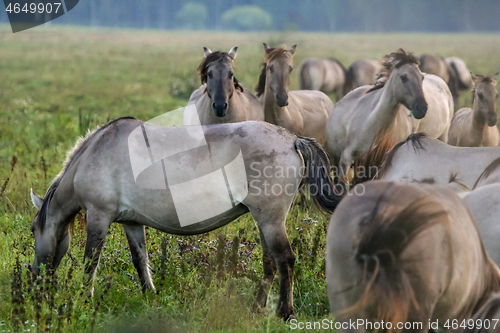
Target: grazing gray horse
(99, 179)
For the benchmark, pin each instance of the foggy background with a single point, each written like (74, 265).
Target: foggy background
(292, 15)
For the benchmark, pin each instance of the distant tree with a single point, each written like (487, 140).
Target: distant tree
(247, 18)
(193, 15)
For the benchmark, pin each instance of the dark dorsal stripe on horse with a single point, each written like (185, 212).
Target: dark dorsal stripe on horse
(212, 58)
(416, 142)
(42, 214)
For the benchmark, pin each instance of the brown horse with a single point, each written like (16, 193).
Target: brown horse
(363, 72)
(406, 253)
(302, 112)
(452, 70)
(326, 75)
(221, 98)
(476, 127)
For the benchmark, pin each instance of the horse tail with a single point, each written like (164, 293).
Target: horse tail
(349, 80)
(384, 237)
(318, 174)
(304, 77)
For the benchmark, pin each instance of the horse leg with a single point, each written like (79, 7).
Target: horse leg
(269, 273)
(136, 237)
(98, 223)
(279, 246)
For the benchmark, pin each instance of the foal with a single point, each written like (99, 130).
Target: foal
(476, 127)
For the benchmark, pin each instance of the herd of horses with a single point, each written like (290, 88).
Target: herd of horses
(418, 241)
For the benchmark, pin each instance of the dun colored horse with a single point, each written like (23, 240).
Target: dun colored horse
(368, 114)
(423, 159)
(98, 178)
(302, 112)
(476, 127)
(399, 253)
(221, 98)
(363, 72)
(326, 75)
(452, 70)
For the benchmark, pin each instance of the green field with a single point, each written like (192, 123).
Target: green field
(57, 83)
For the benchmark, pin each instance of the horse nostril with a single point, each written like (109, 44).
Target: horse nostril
(225, 106)
(214, 106)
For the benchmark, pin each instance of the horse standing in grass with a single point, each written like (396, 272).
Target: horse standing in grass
(326, 75)
(99, 178)
(302, 112)
(476, 127)
(394, 107)
(402, 253)
(363, 72)
(221, 98)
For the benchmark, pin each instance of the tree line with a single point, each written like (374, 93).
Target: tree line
(304, 15)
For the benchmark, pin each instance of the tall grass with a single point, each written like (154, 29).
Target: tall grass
(56, 85)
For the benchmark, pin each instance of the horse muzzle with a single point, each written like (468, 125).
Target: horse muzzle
(419, 109)
(281, 100)
(492, 120)
(220, 109)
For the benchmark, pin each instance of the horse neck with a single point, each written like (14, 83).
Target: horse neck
(386, 109)
(272, 112)
(63, 205)
(478, 120)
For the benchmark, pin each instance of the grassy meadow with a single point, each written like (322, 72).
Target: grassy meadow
(58, 82)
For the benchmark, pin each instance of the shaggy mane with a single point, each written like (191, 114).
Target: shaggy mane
(271, 54)
(213, 58)
(389, 63)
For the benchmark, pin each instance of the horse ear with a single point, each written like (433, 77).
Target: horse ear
(494, 79)
(292, 49)
(233, 52)
(206, 51)
(473, 77)
(266, 47)
(36, 199)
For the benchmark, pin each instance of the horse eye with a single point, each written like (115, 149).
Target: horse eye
(291, 68)
(210, 75)
(231, 74)
(404, 78)
(271, 69)
(480, 95)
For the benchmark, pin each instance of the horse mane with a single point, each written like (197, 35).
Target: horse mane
(487, 171)
(391, 62)
(261, 85)
(271, 54)
(480, 79)
(384, 235)
(372, 158)
(215, 57)
(416, 142)
(73, 155)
